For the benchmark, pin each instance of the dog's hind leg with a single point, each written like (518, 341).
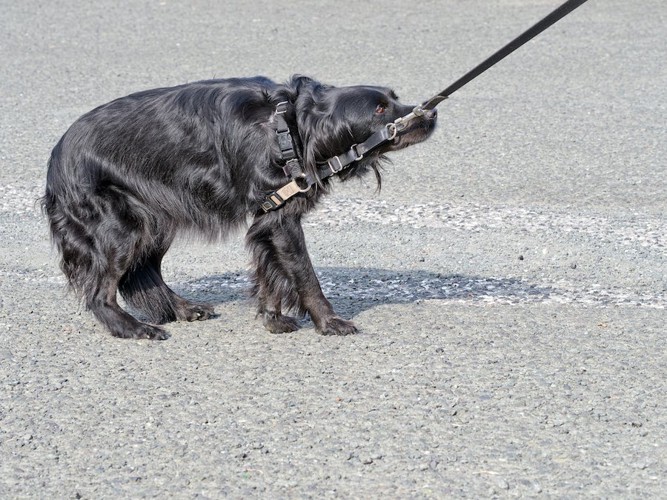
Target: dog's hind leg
(93, 260)
(102, 303)
(98, 282)
(143, 288)
(104, 245)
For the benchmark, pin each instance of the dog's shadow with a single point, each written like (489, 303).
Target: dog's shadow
(353, 290)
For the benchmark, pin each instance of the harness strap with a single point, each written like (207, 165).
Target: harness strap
(302, 182)
(287, 149)
(337, 163)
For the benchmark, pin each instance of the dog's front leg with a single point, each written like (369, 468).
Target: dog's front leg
(284, 275)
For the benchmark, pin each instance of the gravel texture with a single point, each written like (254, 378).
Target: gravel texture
(509, 281)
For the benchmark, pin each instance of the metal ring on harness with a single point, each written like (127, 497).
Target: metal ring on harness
(393, 131)
(304, 181)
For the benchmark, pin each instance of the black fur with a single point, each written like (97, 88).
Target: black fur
(130, 175)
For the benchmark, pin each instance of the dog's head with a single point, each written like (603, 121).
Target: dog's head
(331, 120)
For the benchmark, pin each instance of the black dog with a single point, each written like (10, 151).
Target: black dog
(202, 157)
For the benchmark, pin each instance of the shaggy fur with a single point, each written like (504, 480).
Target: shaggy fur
(130, 175)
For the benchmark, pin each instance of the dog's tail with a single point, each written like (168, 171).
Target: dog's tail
(72, 238)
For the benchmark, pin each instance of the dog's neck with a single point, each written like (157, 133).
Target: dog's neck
(290, 159)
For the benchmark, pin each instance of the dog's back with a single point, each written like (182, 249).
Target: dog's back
(150, 145)
(154, 160)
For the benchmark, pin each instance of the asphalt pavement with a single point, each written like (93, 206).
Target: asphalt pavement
(509, 281)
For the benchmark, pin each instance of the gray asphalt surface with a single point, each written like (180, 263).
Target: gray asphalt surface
(509, 280)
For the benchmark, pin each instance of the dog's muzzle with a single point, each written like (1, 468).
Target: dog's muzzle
(418, 113)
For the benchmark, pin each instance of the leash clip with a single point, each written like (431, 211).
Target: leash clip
(402, 122)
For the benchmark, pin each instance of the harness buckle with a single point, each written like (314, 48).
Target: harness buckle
(356, 152)
(331, 167)
(278, 198)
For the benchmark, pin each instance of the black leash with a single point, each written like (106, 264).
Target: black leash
(302, 182)
(526, 36)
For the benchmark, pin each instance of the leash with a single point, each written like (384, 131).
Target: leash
(302, 182)
(495, 58)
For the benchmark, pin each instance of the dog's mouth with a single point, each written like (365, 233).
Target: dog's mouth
(418, 131)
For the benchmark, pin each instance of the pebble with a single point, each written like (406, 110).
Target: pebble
(502, 484)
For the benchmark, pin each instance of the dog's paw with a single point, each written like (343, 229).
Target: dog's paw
(338, 326)
(195, 312)
(143, 331)
(154, 333)
(279, 323)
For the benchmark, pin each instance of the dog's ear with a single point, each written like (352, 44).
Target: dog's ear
(297, 82)
(291, 89)
(322, 127)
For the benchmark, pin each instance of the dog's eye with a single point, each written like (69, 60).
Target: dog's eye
(381, 108)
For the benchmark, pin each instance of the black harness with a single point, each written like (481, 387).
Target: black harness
(292, 163)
